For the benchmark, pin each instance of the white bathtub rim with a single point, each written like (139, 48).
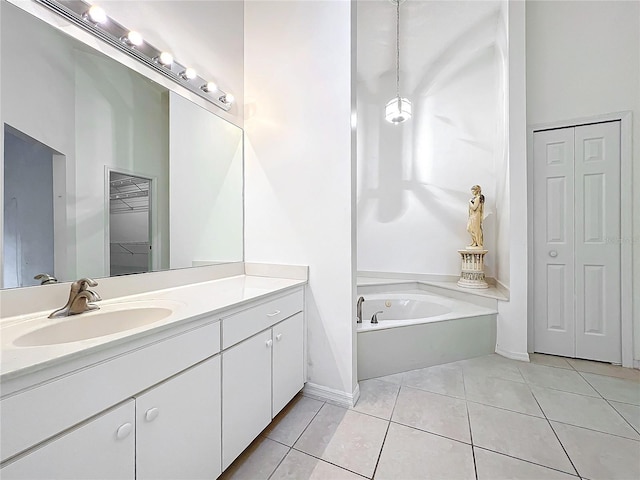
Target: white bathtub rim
(459, 309)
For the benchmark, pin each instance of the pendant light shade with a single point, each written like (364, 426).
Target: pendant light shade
(398, 109)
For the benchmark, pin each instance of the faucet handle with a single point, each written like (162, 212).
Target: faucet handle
(374, 318)
(84, 282)
(45, 278)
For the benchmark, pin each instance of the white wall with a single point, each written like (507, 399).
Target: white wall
(414, 179)
(206, 186)
(298, 165)
(511, 338)
(206, 35)
(122, 123)
(40, 104)
(583, 59)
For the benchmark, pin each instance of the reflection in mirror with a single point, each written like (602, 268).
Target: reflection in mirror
(98, 132)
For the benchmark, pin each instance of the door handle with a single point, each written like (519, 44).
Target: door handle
(553, 253)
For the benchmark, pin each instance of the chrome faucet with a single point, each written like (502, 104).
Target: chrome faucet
(45, 279)
(80, 299)
(374, 319)
(359, 309)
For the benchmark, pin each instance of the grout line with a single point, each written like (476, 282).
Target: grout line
(381, 448)
(554, 432)
(597, 431)
(623, 417)
(466, 406)
(279, 463)
(430, 433)
(329, 462)
(524, 460)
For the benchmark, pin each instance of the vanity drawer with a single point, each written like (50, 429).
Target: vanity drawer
(72, 399)
(239, 326)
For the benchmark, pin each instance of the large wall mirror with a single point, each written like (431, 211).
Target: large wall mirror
(105, 171)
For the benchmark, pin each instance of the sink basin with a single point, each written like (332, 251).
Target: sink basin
(112, 319)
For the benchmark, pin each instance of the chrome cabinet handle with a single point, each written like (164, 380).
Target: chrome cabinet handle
(273, 314)
(279, 337)
(553, 254)
(269, 343)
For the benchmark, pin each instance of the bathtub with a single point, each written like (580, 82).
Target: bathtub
(418, 329)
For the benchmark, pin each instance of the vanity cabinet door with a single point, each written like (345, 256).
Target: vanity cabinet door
(246, 394)
(179, 426)
(102, 448)
(288, 361)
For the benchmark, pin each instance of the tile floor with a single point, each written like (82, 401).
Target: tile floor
(486, 418)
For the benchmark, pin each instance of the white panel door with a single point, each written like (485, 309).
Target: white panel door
(102, 448)
(554, 242)
(576, 252)
(597, 214)
(179, 426)
(288, 361)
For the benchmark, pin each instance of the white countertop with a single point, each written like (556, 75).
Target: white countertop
(188, 302)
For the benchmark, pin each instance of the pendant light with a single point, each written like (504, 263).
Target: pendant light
(398, 109)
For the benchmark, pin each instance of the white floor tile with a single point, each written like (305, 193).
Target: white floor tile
(257, 462)
(292, 420)
(631, 413)
(521, 436)
(549, 360)
(412, 454)
(377, 398)
(599, 368)
(300, 466)
(583, 411)
(616, 389)
(558, 378)
(492, 366)
(495, 466)
(346, 438)
(433, 412)
(599, 455)
(395, 378)
(501, 393)
(445, 379)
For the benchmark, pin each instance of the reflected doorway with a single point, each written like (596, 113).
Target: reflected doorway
(130, 248)
(34, 209)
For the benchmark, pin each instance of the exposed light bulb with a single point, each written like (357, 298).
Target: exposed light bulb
(96, 14)
(165, 58)
(209, 87)
(189, 74)
(134, 38)
(227, 98)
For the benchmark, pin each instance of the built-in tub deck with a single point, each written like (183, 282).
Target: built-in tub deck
(418, 328)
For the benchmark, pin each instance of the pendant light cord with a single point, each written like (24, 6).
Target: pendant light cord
(398, 50)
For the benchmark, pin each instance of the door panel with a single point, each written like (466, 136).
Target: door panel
(597, 251)
(553, 242)
(576, 248)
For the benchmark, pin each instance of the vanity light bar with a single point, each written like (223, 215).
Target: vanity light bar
(100, 25)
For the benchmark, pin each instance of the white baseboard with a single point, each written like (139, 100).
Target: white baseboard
(337, 397)
(522, 356)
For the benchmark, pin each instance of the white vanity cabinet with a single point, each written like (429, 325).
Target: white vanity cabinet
(178, 426)
(261, 374)
(101, 448)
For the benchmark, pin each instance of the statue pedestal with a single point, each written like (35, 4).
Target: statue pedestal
(472, 275)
